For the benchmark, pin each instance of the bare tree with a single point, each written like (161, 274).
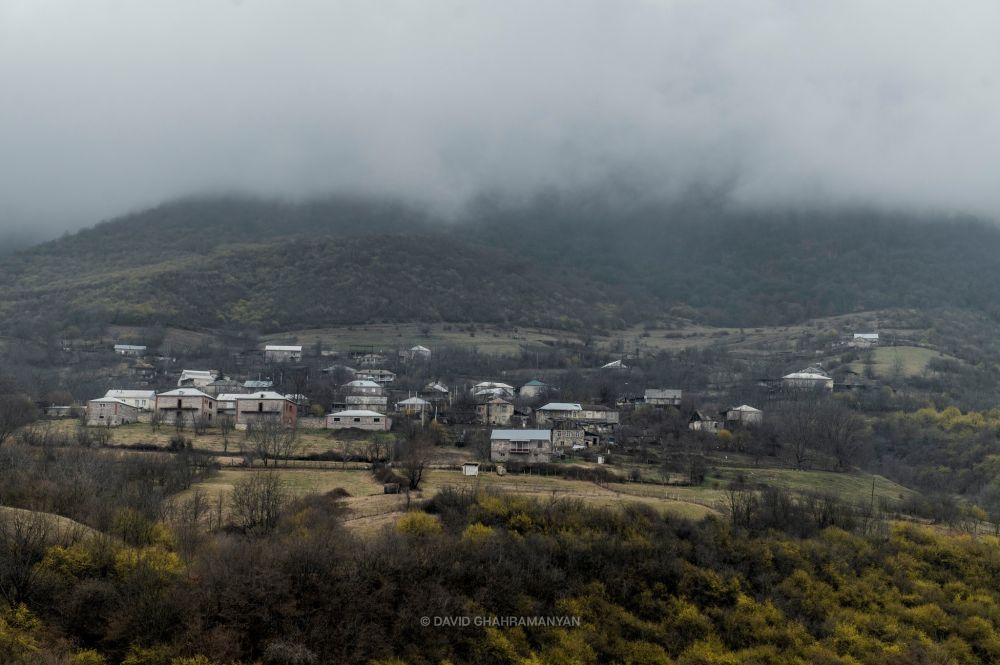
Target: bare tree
(414, 454)
(226, 426)
(269, 438)
(24, 538)
(155, 420)
(201, 423)
(840, 433)
(797, 423)
(16, 411)
(257, 501)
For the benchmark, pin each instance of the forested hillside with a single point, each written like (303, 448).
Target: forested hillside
(556, 262)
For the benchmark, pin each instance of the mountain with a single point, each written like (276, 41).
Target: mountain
(553, 261)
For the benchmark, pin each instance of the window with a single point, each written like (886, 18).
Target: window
(377, 420)
(180, 404)
(260, 407)
(336, 420)
(357, 420)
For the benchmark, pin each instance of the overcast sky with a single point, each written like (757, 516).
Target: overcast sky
(109, 106)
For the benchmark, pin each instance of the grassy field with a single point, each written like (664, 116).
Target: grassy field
(912, 360)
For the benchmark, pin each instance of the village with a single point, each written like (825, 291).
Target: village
(501, 423)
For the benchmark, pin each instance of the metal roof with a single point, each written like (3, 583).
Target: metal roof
(521, 435)
(358, 413)
(278, 347)
(662, 393)
(131, 394)
(262, 395)
(111, 400)
(561, 406)
(362, 383)
(185, 392)
(415, 401)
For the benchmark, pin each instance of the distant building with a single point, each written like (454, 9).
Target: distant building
(265, 405)
(418, 352)
(744, 415)
(334, 369)
(470, 469)
(367, 402)
(222, 385)
(865, 340)
(110, 412)
(371, 360)
(812, 378)
(533, 389)
(134, 350)
(187, 404)
(524, 445)
(358, 419)
(382, 376)
(615, 364)
(485, 390)
(662, 397)
(413, 406)
(144, 400)
(496, 411)
(363, 387)
(699, 422)
(196, 378)
(225, 404)
(274, 353)
(567, 438)
(259, 384)
(574, 412)
(436, 392)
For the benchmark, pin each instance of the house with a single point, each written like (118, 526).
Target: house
(744, 415)
(144, 400)
(196, 378)
(225, 404)
(265, 405)
(418, 352)
(58, 411)
(496, 411)
(864, 340)
(413, 406)
(363, 387)
(259, 384)
(470, 469)
(110, 412)
(811, 378)
(382, 376)
(524, 445)
(186, 404)
(142, 370)
(367, 402)
(334, 369)
(614, 364)
(662, 397)
(371, 360)
(358, 419)
(133, 350)
(275, 353)
(567, 438)
(573, 412)
(532, 389)
(485, 390)
(699, 422)
(222, 385)
(436, 392)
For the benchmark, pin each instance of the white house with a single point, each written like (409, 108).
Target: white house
(144, 400)
(196, 378)
(865, 340)
(358, 419)
(276, 353)
(532, 389)
(413, 405)
(363, 387)
(130, 350)
(418, 352)
(662, 397)
(808, 379)
(110, 412)
(744, 415)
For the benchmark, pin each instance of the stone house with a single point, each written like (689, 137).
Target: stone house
(187, 404)
(496, 411)
(358, 419)
(522, 445)
(110, 412)
(265, 405)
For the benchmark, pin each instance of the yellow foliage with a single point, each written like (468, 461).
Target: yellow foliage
(89, 657)
(152, 559)
(17, 635)
(476, 533)
(73, 561)
(418, 524)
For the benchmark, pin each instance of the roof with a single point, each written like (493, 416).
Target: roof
(475, 464)
(534, 382)
(614, 364)
(228, 397)
(521, 435)
(131, 394)
(358, 413)
(198, 373)
(865, 335)
(362, 383)
(662, 393)
(420, 349)
(278, 347)
(437, 387)
(561, 406)
(698, 415)
(130, 347)
(267, 394)
(258, 384)
(185, 392)
(416, 401)
(744, 408)
(498, 400)
(107, 400)
(807, 376)
(493, 384)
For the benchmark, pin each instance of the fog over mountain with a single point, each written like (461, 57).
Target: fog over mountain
(115, 106)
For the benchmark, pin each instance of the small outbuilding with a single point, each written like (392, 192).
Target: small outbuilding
(358, 419)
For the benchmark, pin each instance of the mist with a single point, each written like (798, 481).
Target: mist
(112, 106)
